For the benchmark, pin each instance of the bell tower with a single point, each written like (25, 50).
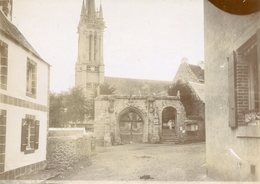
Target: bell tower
(90, 66)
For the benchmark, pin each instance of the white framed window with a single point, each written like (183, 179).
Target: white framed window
(30, 134)
(31, 78)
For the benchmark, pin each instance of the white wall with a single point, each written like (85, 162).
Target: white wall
(225, 33)
(16, 79)
(14, 158)
(16, 87)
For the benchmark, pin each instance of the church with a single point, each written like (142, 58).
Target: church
(140, 111)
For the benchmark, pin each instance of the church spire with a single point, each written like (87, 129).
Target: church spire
(91, 8)
(83, 9)
(100, 11)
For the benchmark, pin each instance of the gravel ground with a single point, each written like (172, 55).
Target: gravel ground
(155, 162)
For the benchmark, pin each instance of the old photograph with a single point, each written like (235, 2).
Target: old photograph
(129, 91)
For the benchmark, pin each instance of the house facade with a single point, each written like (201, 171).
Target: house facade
(24, 90)
(232, 55)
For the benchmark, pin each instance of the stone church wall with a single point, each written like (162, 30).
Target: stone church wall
(109, 108)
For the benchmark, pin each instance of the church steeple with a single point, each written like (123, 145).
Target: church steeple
(83, 9)
(100, 11)
(90, 67)
(91, 8)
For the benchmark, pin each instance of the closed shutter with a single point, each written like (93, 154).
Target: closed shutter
(2, 119)
(24, 137)
(32, 133)
(232, 89)
(37, 131)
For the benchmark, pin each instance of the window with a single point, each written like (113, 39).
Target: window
(30, 134)
(244, 92)
(31, 77)
(3, 65)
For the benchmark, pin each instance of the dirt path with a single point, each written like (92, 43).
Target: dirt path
(147, 161)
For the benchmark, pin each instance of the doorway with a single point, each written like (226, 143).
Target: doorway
(131, 126)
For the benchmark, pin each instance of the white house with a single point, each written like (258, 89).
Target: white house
(24, 89)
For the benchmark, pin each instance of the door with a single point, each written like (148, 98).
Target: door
(131, 127)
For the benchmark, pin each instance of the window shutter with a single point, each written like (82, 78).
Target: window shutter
(32, 133)
(37, 131)
(2, 119)
(24, 134)
(232, 89)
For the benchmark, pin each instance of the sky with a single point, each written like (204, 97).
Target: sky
(144, 39)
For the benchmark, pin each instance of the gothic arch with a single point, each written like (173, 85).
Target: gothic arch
(131, 125)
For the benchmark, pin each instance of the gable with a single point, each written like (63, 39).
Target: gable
(10, 31)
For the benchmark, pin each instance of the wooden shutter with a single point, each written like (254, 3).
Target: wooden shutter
(2, 118)
(37, 131)
(32, 133)
(24, 134)
(232, 89)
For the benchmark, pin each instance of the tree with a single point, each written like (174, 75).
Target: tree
(56, 110)
(186, 95)
(70, 106)
(75, 105)
(106, 89)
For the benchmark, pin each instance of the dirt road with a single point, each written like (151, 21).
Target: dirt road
(163, 162)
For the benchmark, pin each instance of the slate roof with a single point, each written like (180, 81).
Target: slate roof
(197, 71)
(10, 30)
(127, 86)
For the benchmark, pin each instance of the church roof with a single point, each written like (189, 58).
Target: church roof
(198, 89)
(189, 72)
(10, 30)
(127, 86)
(198, 71)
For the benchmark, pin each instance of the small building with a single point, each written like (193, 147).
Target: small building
(24, 89)
(232, 55)
(189, 82)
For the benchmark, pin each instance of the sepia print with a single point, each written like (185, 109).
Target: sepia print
(127, 91)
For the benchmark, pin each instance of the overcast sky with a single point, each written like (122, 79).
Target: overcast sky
(144, 38)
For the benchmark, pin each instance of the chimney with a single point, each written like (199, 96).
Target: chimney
(6, 6)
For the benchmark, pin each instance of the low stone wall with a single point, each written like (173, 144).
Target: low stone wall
(64, 151)
(61, 132)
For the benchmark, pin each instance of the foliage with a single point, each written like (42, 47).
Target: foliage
(56, 110)
(186, 95)
(75, 105)
(71, 106)
(106, 89)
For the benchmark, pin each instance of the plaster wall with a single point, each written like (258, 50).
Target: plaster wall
(14, 158)
(16, 78)
(228, 156)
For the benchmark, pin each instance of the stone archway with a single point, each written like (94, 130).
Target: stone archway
(131, 126)
(169, 122)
